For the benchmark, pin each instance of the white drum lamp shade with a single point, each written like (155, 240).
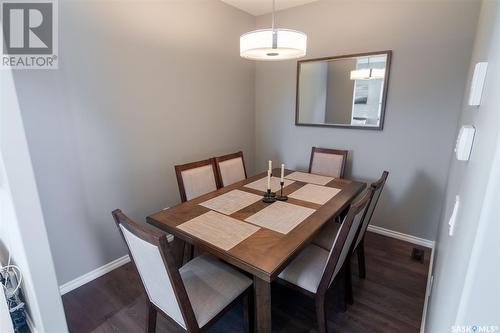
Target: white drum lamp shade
(273, 44)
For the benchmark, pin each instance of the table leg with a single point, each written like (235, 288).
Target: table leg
(262, 305)
(177, 246)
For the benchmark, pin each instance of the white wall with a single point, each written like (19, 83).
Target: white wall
(431, 43)
(22, 227)
(466, 287)
(142, 86)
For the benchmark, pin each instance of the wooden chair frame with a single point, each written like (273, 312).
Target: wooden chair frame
(193, 165)
(223, 158)
(324, 284)
(360, 249)
(159, 239)
(342, 153)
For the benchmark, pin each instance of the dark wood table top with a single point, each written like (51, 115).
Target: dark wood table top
(265, 253)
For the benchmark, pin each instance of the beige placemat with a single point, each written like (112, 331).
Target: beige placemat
(280, 216)
(309, 178)
(261, 184)
(231, 201)
(218, 229)
(315, 193)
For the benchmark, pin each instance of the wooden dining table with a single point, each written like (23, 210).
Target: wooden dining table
(258, 247)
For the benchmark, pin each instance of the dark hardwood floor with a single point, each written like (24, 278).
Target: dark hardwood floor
(390, 299)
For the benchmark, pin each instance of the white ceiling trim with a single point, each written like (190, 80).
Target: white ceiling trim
(261, 7)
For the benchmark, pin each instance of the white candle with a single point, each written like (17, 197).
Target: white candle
(270, 166)
(282, 173)
(269, 179)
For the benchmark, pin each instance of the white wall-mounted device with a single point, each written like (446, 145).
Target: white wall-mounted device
(465, 139)
(477, 84)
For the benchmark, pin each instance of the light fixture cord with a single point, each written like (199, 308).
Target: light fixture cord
(275, 33)
(273, 17)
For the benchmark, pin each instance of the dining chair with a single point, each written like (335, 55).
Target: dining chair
(325, 238)
(192, 297)
(196, 178)
(230, 168)
(314, 270)
(328, 162)
(359, 245)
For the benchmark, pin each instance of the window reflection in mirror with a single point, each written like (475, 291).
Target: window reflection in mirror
(343, 91)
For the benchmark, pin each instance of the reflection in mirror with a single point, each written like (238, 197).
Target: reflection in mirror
(343, 91)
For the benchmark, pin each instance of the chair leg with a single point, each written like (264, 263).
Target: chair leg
(348, 281)
(151, 319)
(321, 313)
(178, 247)
(361, 259)
(340, 290)
(248, 312)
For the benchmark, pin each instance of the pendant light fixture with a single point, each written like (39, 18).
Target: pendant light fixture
(273, 44)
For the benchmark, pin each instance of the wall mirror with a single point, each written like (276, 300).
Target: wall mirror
(345, 91)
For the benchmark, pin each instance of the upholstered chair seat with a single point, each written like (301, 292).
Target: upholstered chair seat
(307, 269)
(191, 297)
(211, 286)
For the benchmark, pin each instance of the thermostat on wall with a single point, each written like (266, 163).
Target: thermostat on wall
(477, 84)
(464, 142)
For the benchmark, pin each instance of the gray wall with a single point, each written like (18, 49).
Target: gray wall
(340, 90)
(432, 43)
(142, 86)
(466, 287)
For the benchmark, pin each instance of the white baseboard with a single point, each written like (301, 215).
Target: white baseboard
(98, 272)
(399, 235)
(92, 275)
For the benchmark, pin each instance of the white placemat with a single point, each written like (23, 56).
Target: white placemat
(280, 216)
(315, 193)
(231, 202)
(261, 184)
(218, 229)
(309, 178)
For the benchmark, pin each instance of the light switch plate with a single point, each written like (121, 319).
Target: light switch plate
(465, 140)
(477, 83)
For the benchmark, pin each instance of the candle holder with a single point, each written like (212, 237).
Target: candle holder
(281, 197)
(269, 197)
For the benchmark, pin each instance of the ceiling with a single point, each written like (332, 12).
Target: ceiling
(260, 7)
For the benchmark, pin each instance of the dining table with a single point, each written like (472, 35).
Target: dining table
(260, 238)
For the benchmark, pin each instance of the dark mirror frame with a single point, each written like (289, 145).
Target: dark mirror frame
(380, 127)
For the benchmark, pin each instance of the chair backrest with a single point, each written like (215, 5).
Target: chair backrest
(377, 190)
(196, 178)
(231, 168)
(150, 252)
(328, 162)
(342, 246)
